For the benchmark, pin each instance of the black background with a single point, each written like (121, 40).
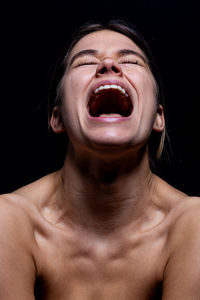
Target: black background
(33, 34)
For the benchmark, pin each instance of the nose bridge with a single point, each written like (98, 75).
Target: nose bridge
(108, 65)
(108, 61)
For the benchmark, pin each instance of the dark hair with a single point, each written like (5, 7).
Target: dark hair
(156, 142)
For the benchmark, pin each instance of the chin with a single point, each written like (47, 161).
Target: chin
(110, 141)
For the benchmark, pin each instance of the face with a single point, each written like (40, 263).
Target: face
(109, 94)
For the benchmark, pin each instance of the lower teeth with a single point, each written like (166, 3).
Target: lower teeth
(110, 115)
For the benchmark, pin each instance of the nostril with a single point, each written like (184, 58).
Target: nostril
(108, 66)
(114, 69)
(103, 70)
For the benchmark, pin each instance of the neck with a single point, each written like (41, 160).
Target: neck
(101, 194)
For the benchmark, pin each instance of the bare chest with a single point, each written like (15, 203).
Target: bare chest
(77, 268)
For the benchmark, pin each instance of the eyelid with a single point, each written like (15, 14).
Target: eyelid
(89, 63)
(132, 61)
(90, 60)
(131, 58)
(85, 60)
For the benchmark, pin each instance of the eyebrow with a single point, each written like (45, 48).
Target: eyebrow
(121, 52)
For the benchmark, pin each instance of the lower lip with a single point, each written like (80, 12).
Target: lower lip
(109, 119)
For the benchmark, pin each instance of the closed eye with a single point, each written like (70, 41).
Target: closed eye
(135, 62)
(86, 63)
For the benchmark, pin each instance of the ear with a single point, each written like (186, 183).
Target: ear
(56, 120)
(159, 123)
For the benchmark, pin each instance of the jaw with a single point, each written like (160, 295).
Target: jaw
(108, 156)
(109, 134)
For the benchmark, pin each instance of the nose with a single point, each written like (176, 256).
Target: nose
(108, 65)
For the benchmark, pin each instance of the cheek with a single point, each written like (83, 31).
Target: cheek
(76, 80)
(71, 102)
(71, 91)
(147, 91)
(71, 88)
(147, 102)
(143, 82)
(74, 88)
(74, 91)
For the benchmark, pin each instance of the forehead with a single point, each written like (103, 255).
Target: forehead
(105, 40)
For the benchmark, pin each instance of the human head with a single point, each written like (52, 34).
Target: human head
(156, 141)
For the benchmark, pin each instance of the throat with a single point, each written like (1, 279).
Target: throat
(104, 207)
(102, 194)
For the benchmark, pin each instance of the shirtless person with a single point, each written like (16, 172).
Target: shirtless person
(104, 226)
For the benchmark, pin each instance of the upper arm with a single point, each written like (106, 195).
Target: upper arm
(182, 271)
(17, 268)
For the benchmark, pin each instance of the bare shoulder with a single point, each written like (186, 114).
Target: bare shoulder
(182, 271)
(186, 208)
(20, 210)
(16, 226)
(22, 201)
(14, 219)
(20, 207)
(10, 208)
(20, 222)
(182, 218)
(16, 255)
(186, 223)
(176, 204)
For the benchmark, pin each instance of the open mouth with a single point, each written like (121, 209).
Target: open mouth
(110, 101)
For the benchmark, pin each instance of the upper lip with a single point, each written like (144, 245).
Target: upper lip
(109, 82)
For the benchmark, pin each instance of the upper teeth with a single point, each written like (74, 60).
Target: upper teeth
(111, 86)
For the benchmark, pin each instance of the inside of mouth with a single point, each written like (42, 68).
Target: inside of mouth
(110, 102)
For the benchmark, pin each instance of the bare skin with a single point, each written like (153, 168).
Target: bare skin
(64, 260)
(104, 226)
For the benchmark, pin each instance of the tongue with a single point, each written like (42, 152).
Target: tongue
(110, 115)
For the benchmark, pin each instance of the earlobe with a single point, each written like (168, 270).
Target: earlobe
(159, 123)
(56, 121)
